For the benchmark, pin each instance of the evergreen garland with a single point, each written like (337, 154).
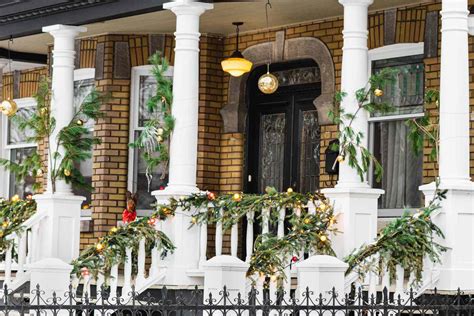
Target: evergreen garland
(350, 141)
(154, 137)
(406, 241)
(13, 213)
(111, 249)
(75, 138)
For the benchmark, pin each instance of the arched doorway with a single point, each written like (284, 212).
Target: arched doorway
(283, 132)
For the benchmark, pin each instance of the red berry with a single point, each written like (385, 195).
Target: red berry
(294, 259)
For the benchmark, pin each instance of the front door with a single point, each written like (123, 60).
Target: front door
(283, 130)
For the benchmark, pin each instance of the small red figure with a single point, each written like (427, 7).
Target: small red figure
(130, 213)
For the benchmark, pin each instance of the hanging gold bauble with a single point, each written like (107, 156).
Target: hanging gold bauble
(67, 172)
(268, 83)
(8, 107)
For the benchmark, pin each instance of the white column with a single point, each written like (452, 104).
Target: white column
(353, 199)
(4, 178)
(183, 147)
(62, 86)
(456, 216)
(454, 94)
(354, 77)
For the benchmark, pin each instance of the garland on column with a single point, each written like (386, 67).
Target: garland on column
(369, 99)
(153, 139)
(75, 138)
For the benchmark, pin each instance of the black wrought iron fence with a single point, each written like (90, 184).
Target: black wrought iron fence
(226, 303)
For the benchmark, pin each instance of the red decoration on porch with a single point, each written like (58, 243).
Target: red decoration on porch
(294, 259)
(161, 188)
(211, 196)
(130, 213)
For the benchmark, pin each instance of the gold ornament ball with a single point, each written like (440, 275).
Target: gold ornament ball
(289, 190)
(268, 83)
(159, 132)
(114, 230)
(340, 158)
(80, 122)
(323, 238)
(43, 111)
(307, 220)
(5, 224)
(237, 197)
(378, 92)
(8, 107)
(15, 198)
(99, 247)
(67, 172)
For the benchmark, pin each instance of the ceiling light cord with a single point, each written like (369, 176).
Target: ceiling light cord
(268, 5)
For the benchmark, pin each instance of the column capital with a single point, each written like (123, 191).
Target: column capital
(187, 7)
(356, 2)
(62, 30)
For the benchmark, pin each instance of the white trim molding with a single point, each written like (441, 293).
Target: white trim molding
(84, 74)
(395, 51)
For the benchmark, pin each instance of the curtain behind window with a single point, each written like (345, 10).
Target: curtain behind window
(402, 167)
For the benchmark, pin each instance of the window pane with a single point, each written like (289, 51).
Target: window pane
(272, 151)
(157, 180)
(402, 167)
(147, 89)
(82, 88)
(406, 93)
(309, 152)
(24, 187)
(15, 136)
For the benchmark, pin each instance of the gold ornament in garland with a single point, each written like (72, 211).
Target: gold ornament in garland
(9, 107)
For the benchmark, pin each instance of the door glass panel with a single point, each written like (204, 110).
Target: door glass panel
(309, 152)
(272, 149)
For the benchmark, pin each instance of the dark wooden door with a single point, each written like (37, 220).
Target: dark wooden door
(283, 136)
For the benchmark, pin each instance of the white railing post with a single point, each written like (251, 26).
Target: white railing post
(249, 237)
(127, 274)
(8, 266)
(140, 278)
(234, 239)
(203, 242)
(219, 235)
(21, 254)
(113, 282)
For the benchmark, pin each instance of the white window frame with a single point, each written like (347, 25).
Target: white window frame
(381, 53)
(137, 72)
(6, 148)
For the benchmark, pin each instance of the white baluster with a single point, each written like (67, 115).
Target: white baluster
(21, 255)
(249, 237)
(8, 266)
(203, 243)
(155, 259)
(281, 223)
(265, 221)
(35, 243)
(99, 285)
(400, 275)
(141, 263)
(234, 239)
(113, 282)
(87, 287)
(386, 279)
(127, 274)
(219, 235)
(411, 281)
(373, 281)
(29, 248)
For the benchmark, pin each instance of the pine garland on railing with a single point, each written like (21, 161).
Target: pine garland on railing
(111, 249)
(13, 213)
(406, 241)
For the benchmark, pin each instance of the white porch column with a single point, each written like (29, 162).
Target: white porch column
(353, 199)
(62, 86)
(456, 217)
(183, 147)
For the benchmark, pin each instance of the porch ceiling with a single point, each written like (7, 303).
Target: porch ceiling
(217, 21)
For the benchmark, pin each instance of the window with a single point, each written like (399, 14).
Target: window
(84, 84)
(143, 88)
(16, 148)
(389, 133)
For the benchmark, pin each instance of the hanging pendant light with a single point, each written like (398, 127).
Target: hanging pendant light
(268, 83)
(9, 107)
(236, 65)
